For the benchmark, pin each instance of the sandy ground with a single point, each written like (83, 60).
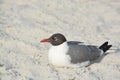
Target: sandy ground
(23, 23)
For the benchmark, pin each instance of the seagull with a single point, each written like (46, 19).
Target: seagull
(65, 53)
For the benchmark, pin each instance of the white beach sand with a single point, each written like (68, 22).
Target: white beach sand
(23, 23)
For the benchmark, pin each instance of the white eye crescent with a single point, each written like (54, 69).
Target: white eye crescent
(55, 38)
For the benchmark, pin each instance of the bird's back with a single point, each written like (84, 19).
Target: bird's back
(80, 53)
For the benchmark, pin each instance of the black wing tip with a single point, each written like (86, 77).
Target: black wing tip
(105, 46)
(109, 46)
(106, 43)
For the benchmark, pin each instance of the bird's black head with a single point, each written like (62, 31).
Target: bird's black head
(55, 39)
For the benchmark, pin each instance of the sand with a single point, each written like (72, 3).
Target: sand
(23, 23)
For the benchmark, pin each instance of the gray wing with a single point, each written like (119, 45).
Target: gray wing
(81, 53)
(74, 42)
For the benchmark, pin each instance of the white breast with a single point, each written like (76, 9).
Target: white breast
(57, 55)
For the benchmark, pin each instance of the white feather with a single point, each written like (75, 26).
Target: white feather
(57, 55)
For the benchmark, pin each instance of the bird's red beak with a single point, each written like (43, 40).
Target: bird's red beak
(45, 40)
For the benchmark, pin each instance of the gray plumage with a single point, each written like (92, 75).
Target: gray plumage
(81, 53)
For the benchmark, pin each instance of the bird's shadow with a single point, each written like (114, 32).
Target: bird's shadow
(105, 54)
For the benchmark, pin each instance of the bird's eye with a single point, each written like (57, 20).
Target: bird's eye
(55, 38)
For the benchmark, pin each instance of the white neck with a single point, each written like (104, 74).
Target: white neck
(57, 54)
(61, 46)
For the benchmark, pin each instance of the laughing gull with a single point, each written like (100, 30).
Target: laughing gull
(65, 53)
